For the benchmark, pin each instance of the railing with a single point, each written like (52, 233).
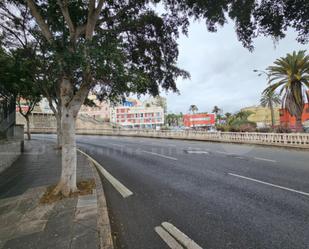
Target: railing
(300, 140)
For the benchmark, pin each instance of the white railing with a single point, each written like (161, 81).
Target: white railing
(282, 139)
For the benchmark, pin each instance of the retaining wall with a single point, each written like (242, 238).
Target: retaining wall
(299, 140)
(9, 151)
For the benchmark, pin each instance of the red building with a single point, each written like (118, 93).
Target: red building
(199, 120)
(287, 120)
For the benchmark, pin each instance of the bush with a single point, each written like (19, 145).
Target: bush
(265, 130)
(247, 127)
(282, 129)
(223, 128)
(243, 126)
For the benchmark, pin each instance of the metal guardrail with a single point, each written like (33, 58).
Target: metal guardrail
(300, 140)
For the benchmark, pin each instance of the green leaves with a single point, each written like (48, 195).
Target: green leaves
(133, 48)
(19, 78)
(290, 75)
(270, 99)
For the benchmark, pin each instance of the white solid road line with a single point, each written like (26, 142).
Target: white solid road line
(180, 236)
(270, 184)
(123, 190)
(167, 238)
(160, 155)
(265, 159)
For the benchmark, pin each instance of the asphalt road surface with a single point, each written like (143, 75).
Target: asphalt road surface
(217, 195)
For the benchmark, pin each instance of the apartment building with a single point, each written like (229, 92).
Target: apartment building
(137, 116)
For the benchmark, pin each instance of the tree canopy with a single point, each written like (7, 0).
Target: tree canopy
(290, 75)
(123, 47)
(134, 48)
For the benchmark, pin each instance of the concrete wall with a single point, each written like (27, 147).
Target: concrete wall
(9, 152)
(299, 140)
(48, 120)
(11, 149)
(262, 115)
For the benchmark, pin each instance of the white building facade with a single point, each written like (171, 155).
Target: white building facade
(137, 116)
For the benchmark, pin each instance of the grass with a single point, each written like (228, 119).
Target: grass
(85, 187)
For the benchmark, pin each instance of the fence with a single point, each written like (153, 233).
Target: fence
(300, 140)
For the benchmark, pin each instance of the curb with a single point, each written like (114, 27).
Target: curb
(103, 222)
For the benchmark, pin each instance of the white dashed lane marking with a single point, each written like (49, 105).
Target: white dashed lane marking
(270, 184)
(167, 238)
(265, 159)
(179, 236)
(159, 155)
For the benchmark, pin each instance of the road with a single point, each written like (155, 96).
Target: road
(218, 195)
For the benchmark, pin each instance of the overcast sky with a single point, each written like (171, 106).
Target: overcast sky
(222, 70)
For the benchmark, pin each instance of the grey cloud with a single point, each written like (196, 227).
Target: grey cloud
(222, 70)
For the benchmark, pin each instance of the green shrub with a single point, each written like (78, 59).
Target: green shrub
(265, 130)
(282, 129)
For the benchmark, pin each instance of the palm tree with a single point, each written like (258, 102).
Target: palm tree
(270, 99)
(228, 115)
(216, 110)
(290, 75)
(243, 115)
(193, 109)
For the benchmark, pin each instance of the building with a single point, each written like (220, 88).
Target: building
(289, 121)
(262, 115)
(286, 120)
(101, 110)
(137, 116)
(156, 101)
(199, 120)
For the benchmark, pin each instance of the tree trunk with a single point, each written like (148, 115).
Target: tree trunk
(57, 113)
(67, 183)
(299, 125)
(28, 127)
(272, 114)
(59, 131)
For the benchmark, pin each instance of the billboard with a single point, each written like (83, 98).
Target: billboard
(199, 120)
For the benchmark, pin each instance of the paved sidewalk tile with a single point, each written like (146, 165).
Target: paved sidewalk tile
(24, 223)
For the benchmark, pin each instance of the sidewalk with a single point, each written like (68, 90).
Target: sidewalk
(24, 223)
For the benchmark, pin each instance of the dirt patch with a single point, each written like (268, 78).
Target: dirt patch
(84, 187)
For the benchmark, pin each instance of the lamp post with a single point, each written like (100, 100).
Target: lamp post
(261, 72)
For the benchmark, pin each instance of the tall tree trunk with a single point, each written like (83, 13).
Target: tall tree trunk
(57, 113)
(59, 131)
(67, 183)
(68, 160)
(299, 125)
(272, 114)
(70, 105)
(28, 127)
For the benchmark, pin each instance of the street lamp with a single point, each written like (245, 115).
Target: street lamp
(261, 72)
